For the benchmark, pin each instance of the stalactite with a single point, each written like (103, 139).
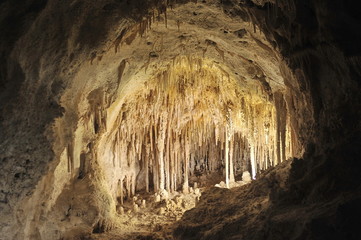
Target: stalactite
(146, 163)
(231, 169)
(121, 191)
(186, 163)
(253, 161)
(167, 160)
(226, 152)
(133, 178)
(119, 39)
(160, 145)
(192, 118)
(70, 154)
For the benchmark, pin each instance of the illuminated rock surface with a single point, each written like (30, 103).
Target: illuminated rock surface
(118, 116)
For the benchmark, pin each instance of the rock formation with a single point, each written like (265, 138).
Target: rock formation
(104, 101)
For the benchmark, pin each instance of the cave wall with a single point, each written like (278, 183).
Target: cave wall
(318, 43)
(46, 45)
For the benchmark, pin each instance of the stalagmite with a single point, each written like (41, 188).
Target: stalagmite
(192, 119)
(121, 210)
(143, 204)
(157, 198)
(197, 191)
(161, 211)
(135, 207)
(246, 176)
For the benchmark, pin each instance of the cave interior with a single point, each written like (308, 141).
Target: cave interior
(180, 119)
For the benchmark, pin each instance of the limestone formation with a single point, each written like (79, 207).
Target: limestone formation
(121, 210)
(141, 107)
(135, 207)
(246, 177)
(143, 204)
(157, 198)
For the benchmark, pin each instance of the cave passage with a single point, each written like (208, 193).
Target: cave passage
(192, 123)
(170, 109)
(118, 118)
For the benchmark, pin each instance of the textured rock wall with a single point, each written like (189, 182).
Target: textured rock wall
(56, 56)
(319, 44)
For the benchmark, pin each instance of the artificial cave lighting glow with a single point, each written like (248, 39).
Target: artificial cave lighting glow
(191, 118)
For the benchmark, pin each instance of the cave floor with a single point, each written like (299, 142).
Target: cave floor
(190, 218)
(253, 210)
(154, 221)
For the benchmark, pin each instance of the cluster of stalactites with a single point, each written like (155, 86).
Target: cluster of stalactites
(193, 119)
(95, 122)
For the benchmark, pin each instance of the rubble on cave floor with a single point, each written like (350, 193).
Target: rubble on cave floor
(246, 178)
(150, 216)
(207, 209)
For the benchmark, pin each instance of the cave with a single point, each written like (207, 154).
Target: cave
(180, 119)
